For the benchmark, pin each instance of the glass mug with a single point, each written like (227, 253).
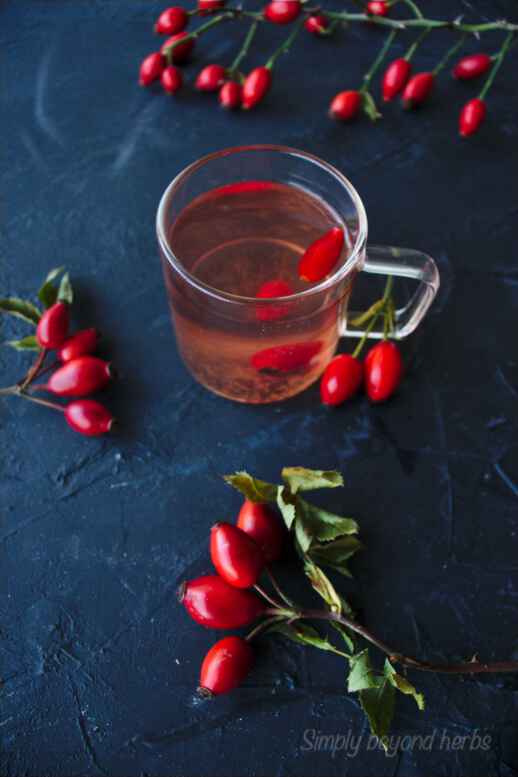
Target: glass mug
(242, 217)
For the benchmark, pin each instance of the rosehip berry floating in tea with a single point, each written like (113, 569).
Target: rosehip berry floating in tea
(345, 105)
(471, 117)
(151, 68)
(341, 380)
(81, 343)
(395, 77)
(171, 79)
(237, 558)
(286, 358)
(255, 87)
(270, 290)
(182, 51)
(418, 89)
(472, 66)
(53, 325)
(377, 8)
(213, 603)
(282, 11)
(317, 24)
(171, 21)
(383, 371)
(225, 666)
(79, 377)
(210, 78)
(230, 95)
(88, 417)
(263, 525)
(206, 7)
(320, 258)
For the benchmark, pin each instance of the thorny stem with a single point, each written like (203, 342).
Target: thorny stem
(367, 78)
(285, 47)
(449, 54)
(496, 66)
(403, 24)
(244, 48)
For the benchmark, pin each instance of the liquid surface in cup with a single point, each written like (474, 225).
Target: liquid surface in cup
(234, 239)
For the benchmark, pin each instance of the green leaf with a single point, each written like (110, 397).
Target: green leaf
(302, 479)
(369, 107)
(335, 554)
(252, 488)
(402, 684)
(65, 292)
(323, 586)
(20, 308)
(305, 634)
(361, 673)
(48, 293)
(378, 705)
(286, 507)
(25, 344)
(342, 630)
(323, 525)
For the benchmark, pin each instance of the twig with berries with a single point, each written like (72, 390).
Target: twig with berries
(236, 90)
(75, 372)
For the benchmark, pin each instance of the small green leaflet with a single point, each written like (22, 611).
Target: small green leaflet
(305, 634)
(48, 293)
(402, 684)
(287, 508)
(335, 554)
(323, 586)
(25, 344)
(322, 525)
(378, 705)
(343, 631)
(302, 479)
(65, 292)
(369, 107)
(361, 673)
(20, 308)
(252, 488)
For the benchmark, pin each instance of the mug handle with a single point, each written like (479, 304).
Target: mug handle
(400, 263)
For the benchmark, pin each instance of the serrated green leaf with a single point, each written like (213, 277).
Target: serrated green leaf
(25, 344)
(378, 705)
(252, 488)
(402, 684)
(336, 553)
(302, 479)
(302, 535)
(369, 107)
(322, 585)
(323, 525)
(286, 507)
(65, 292)
(48, 293)
(361, 673)
(305, 634)
(21, 308)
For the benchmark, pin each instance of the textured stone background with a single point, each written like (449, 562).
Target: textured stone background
(97, 660)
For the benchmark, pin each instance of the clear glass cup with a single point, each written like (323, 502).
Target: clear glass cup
(240, 216)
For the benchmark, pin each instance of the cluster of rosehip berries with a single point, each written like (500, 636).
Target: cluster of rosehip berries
(225, 600)
(80, 373)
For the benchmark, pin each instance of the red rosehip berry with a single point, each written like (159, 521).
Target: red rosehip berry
(383, 371)
(341, 380)
(81, 343)
(230, 95)
(345, 105)
(151, 68)
(320, 257)
(206, 7)
(471, 117)
(88, 417)
(395, 77)
(270, 290)
(471, 66)
(171, 21)
(171, 79)
(79, 377)
(262, 524)
(182, 51)
(235, 555)
(210, 78)
(282, 11)
(317, 24)
(212, 602)
(286, 358)
(225, 666)
(256, 86)
(417, 89)
(377, 8)
(53, 325)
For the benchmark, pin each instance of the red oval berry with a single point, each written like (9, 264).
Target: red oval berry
(395, 77)
(182, 51)
(262, 524)
(341, 380)
(383, 370)
(79, 377)
(282, 11)
(317, 24)
(88, 417)
(377, 8)
(53, 325)
(151, 68)
(236, 557)
(270, 290)
(230, 95)
(345, 105)
(171, 79)
(319, 259)
(471, 117)
(81, 343)
(256, 86)
(206, 7)
(225, 666)
(210, 78)
(171, 21)
(286, 358)
(214, 603)
(472, 66)
(417, 89)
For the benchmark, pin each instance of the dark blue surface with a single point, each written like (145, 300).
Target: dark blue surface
(98, 661)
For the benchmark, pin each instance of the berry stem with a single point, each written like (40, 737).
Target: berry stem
(34, 370)
(381, 308)
(449, 54)
(168, 50)
(244, 48)
(262, 626)
(415, 45)
(44, 402)
(404, 24)
(413, 7)
(268, 598)
(367, 78)
(278, 589)
(285, 46)
(496, 65)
